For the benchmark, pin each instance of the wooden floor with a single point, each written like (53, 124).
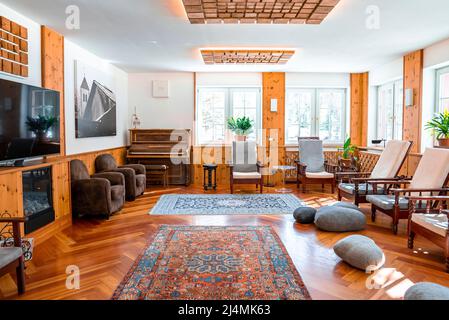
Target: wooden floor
(105, 250)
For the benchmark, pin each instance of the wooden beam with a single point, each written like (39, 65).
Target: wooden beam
(359, 109)
(413, 79)
(52, 56)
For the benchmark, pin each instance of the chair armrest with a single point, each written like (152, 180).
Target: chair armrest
(115, 178)
(301, 167)
(390, 181)
(428, 198)
(352, 174)
(91, 191)
(367, 180)
(399, 191)
(13, 220)
(138, 168)
(331, 168)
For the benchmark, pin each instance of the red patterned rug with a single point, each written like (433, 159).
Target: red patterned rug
(213, 263)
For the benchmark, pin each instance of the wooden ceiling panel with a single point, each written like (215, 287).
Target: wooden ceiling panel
(258, 11)
(246, 56)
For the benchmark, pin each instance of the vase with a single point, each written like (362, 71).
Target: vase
(444, 142)
(240, 138)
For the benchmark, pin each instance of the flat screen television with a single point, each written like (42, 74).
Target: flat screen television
(29, 122)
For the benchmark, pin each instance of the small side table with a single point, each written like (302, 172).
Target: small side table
(210, 170)
(284, 170)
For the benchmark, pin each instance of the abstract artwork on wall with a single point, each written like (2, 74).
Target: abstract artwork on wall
(95, 103)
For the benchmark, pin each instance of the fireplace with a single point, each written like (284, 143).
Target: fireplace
(37, 199)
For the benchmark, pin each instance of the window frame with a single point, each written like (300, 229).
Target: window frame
(439, 72)
(315, 121)
(228, 90)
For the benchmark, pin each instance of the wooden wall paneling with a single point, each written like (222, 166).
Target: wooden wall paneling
(273, 123)
(52, 56)
(359, 109)
(413, 79)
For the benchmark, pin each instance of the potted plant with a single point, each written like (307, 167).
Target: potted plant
(241, 127)
(440, 128)
(347, 159)
(40, 126)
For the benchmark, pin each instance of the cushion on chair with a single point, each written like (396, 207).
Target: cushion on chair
(434, 222)
(427, 291)
(305, 215)
(244, 156)
(311, 154)
(391, 159)
(319, 175)
(350, 188)
(386, 202)
(339, 219)
(432, 170)
(247, 175)
(8, 255)
(360, 252)
(346, 205)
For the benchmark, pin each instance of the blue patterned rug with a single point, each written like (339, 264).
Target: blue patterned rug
(226, 204)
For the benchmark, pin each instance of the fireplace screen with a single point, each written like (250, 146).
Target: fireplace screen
(37, 199)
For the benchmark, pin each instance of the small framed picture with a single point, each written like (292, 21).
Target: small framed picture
(161, 88)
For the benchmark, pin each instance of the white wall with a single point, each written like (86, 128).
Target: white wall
(317, 80)
(73, 52)
(175, 112)
(229, 79)
(34, 47)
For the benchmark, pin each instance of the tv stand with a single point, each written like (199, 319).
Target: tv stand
(13, 164)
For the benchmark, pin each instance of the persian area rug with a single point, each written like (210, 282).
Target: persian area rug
(226, 204)
(213, 263)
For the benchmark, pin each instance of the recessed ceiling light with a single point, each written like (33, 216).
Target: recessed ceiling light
(258, 11)
(246, 56)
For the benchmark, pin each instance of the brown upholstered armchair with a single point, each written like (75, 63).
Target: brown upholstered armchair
(103, 194)
(135, 174)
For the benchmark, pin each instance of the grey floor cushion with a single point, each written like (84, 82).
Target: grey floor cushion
(360, 252)
(305, 215)
(427, 291)
(340, 219)
(346, 205)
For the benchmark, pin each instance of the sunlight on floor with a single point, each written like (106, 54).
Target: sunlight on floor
(387, 277)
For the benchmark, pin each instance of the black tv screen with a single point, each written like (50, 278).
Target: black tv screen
(29, 121)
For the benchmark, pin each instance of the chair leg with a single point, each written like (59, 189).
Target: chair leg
(20, 270)
(333, 187)
(339, 197)
(373, 213)
(394, 227)
(411, 240)
(261, 187)
(232, 188)
(447, 254)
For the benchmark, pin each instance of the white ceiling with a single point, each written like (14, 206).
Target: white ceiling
(155, 35)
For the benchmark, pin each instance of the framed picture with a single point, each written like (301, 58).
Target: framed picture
(161, 88)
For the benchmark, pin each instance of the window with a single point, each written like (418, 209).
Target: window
(315, 113)
(390, 103)
(216, 105)
(443, 89)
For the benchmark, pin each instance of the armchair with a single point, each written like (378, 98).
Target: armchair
(428, 217)
(12, 257)
(430, 179)
(245, 169)
(387, 167)
(103, 194)
(311, 166)
(135, 174)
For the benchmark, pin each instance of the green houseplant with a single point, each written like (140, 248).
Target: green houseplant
(40, 126)
(439, 125)
(347, 160)
(241, 127)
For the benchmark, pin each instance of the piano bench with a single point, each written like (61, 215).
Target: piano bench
(157, 173)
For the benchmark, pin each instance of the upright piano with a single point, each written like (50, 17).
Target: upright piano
(170, 147)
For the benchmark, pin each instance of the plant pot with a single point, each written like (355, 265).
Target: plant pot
(240, 138)
(444, 142)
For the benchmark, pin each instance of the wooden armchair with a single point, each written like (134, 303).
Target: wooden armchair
(311, 166)
(245, 169)
(12, 256)
(428, 217)
(387, 167)
(430, 179)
